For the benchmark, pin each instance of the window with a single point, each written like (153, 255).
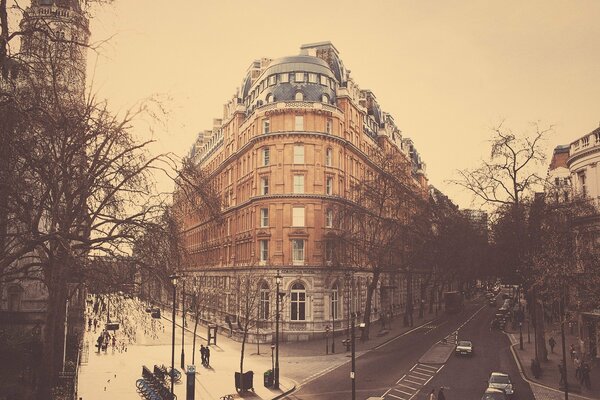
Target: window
(586, 141)
(264, 217)
(312, 78)
(581, 176)
(298, 216)
(298, 303)
(299, 122)
(335, 303)
(264, 302)
(299, 77)
(325, 99)
(266, 154)
(264, 185)
(270, 98)
(329, 218)
(329, 252)
(329, 126)
(298, 154)
(264, 250)
(328, 157)
(272, 80)
(323, 80)
(299, 96)
(266, 125)
(298, 183)
(15, 297)
(284, 78)
(329, 185)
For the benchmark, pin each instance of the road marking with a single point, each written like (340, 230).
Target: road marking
(401, 398)
(428, 366)
(398, 381)
(416, 383)
(420, 373)
(417, 377)
(402, 391)
(410, 387)
(405, 333)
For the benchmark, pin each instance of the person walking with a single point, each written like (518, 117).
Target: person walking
(552, 343)
(585, 373)
(440, 395)
(202, 354)
(577, 364)
(99, 343)
(431, 395)
(207, 352)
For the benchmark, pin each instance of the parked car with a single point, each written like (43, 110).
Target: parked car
(494, 394)
(464, 347)
(500, 380)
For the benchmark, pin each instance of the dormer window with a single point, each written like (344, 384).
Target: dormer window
(299, 77)
(270, 98)
(325, 99)
(299, 96)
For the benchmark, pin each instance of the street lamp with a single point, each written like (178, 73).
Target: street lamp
(272, 362)
(327, 339)
(182, 324)
(276, 369)
(521, 335)
(173, 279)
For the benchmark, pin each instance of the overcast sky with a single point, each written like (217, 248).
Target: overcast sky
(447, 70)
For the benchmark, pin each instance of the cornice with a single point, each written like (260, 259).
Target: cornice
(582, 154)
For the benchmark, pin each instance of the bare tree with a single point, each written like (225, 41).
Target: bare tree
(248, 285)
(379, 225)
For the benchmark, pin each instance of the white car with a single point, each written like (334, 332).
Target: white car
(464, 347)
(500, 380)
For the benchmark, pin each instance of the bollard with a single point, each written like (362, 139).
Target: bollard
(191, 383)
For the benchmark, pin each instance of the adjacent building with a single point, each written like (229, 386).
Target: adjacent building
(291, 141)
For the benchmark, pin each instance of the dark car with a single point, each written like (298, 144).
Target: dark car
(494, 394)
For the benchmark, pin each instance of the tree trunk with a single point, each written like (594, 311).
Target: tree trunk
(53, 343)
(194, 339)
(367, 317)
(244, 336)
(540, 340)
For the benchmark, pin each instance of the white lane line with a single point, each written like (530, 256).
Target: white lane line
(406, 386)
(404, 334)
(428, 366)
(426, 371)
(402, 391)
(401, 398)
(420, 373)
(416, 383)
(417, 377)
(398, 381)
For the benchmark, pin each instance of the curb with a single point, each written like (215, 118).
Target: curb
(284, 394)
(533, 382)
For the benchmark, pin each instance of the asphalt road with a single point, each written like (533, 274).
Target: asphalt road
(379, 371)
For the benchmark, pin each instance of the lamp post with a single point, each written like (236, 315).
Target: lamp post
(182, 324)
(521, 335)
(528, 335)
(333, 314)
(173, 279)
(327, 339)
(272, 360)
(276, 369)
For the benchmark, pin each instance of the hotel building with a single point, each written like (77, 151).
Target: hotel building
(291, 142)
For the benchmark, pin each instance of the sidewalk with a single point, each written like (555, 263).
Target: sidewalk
(546, 386)
(113, 374)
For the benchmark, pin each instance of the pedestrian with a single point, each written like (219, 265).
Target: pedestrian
(89, 324)
(552, 343)
(202, 354)
(440, 395)
(572, 351)
(99, 343)
(577, 364)
(207, 352)
(561, 371)
(95, 325)
(585, 373)
(431, 395)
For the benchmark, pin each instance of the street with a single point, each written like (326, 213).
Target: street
(393, 370)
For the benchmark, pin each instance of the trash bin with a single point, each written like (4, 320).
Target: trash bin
(269, 378)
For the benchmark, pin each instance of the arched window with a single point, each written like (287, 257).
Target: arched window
(335, 303)
(328, 157)
(299, 96)
(298, 302)
(270, 98)
(325, 99)
(263, 312)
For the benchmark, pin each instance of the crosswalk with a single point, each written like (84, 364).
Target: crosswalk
(411, 383)
(452, 338)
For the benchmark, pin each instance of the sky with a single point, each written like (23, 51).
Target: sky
(447, 71)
